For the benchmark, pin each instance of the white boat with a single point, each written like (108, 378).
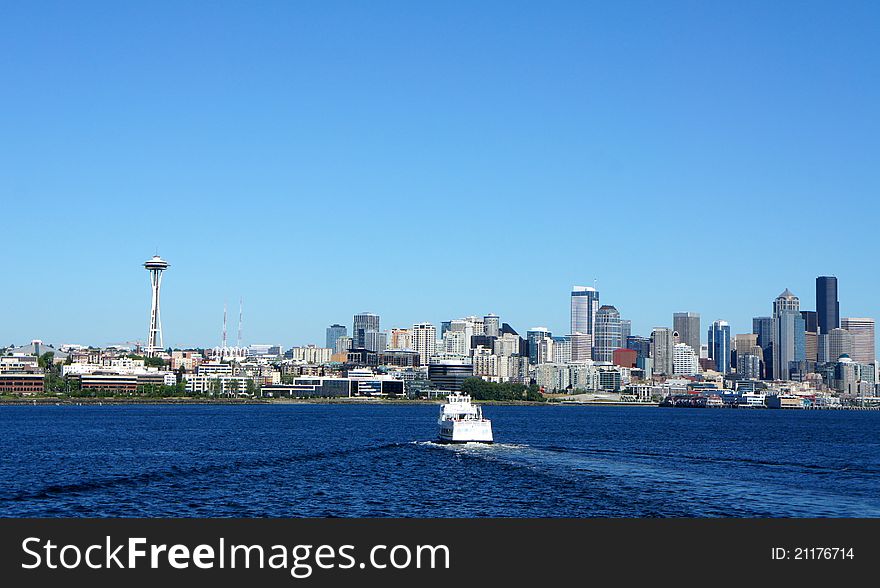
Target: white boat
(462, 422)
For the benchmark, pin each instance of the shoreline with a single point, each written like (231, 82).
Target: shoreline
(361, 401)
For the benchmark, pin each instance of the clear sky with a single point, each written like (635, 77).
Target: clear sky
(430, 160)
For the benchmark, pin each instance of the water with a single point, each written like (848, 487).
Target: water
(380, 461)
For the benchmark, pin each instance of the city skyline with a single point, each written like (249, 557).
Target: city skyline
(370, 323)
(218, 136)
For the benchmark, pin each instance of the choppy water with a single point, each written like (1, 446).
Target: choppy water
(380, 460)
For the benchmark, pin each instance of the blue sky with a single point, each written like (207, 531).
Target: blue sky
(427, 161)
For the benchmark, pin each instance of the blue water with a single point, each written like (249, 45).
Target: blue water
(380, 461)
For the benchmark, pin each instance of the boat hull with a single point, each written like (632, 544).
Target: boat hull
(465, 431)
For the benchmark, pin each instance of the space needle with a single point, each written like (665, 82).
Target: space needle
(155, 266)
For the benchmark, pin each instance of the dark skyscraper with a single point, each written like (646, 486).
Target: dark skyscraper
(827, 306)
(334, 332)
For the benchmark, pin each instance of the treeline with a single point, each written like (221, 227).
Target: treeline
(480, 389)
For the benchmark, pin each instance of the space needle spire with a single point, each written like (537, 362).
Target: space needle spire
(155, 266)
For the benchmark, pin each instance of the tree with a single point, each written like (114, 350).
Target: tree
(252, 388)
(233, 386)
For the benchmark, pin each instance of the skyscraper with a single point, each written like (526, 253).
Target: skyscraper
(492, 325)
(862, 329)
(811, 336)
(827, 305)
(581, 347)
(762, 326)
(534, 336)
(334, 332)
(625, 330)
(662, 350)
(687, 324)
(607, 336)
(424, 338)
(684, 360)
(363, 322)
(719, 345)
(584, 306)
(789, 328)
(840, 342)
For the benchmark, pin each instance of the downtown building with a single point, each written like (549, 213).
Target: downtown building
(607, 333)
(687, 325)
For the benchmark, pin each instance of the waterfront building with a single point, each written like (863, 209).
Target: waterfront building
(606, 333)
(334, 332)
(863, 343)
(359, 383)
(424, 340)
(662, 350)
(827, 305)
(361, 324)
(449, 374)
(719, 345)
(584, 306)
(687, 325)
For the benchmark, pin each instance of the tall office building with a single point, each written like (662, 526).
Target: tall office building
(827, 305)
(687, 325)
(363, 322)
(662, 350)
(534, 336)
(762, 326)
(492, 325)
(811, 335)
(376, 341)
(641, 345)
(625, 330)
(786, 301)
(334, 332)
(343, 344)
(581, 347)
(606, 336)
(424, 338)
(840, 342)
(719, 345)
(788, 343)
(862, 330)
(584, 306)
